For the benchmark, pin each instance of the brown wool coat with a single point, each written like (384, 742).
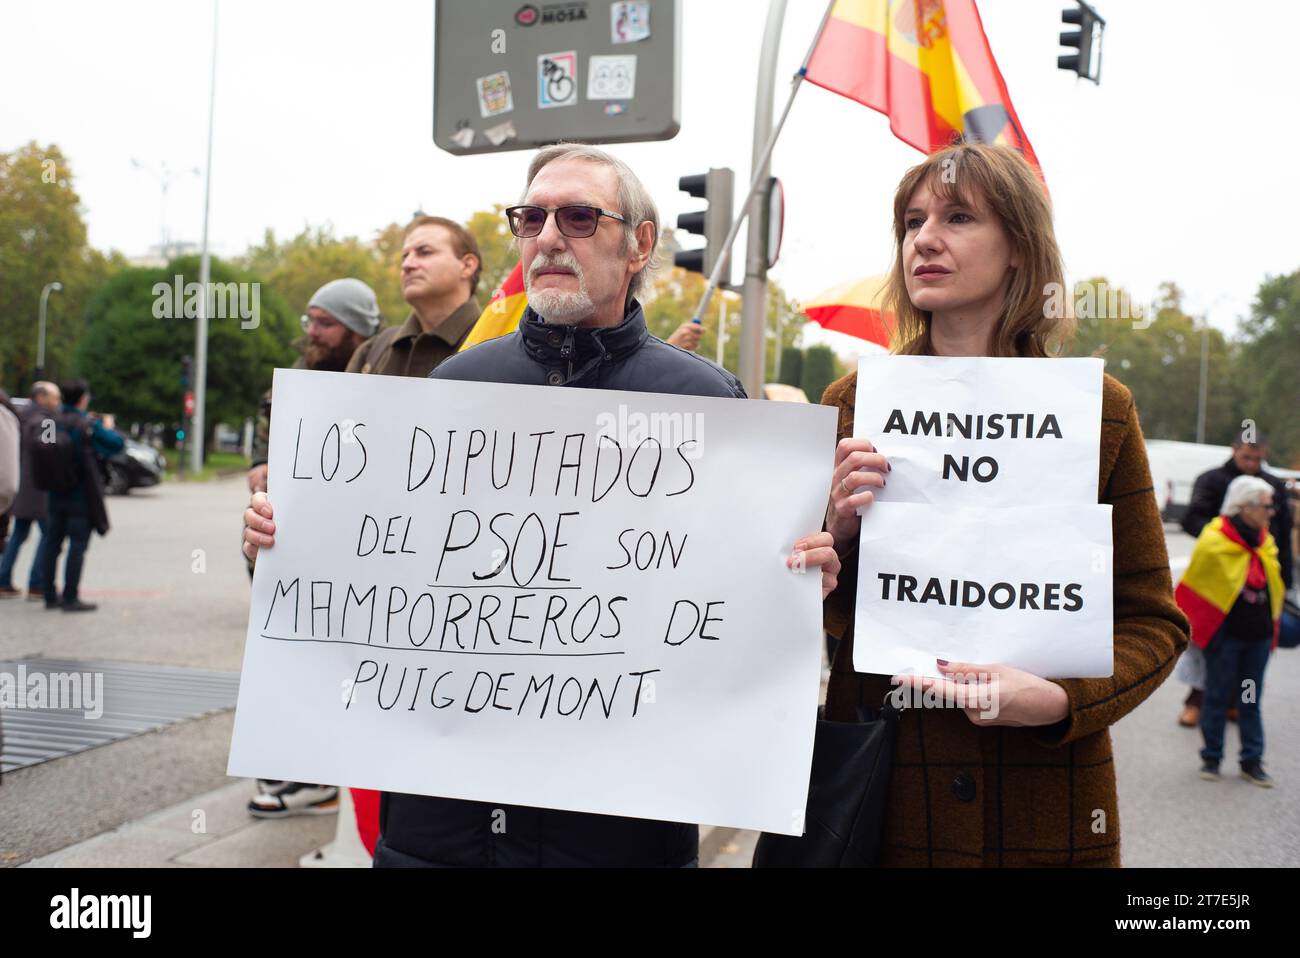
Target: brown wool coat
(963, 795)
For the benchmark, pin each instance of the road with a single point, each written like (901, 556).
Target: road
(172, 590)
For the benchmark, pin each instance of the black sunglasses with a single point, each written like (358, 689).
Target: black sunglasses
(575, 222)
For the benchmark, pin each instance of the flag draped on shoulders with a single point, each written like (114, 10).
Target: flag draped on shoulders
(926, 64)
(1221, 562)
(503, 311)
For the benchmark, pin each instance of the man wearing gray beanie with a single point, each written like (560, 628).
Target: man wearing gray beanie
(342, 315)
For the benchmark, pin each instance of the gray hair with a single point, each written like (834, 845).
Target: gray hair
(1245, 491)
(634, 200)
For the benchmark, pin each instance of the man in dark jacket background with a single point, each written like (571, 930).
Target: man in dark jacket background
(30, 507)
(73, 514)
(587, 232)
(1249, 450)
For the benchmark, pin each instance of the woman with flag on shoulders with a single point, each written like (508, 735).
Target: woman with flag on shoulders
(1232, 594)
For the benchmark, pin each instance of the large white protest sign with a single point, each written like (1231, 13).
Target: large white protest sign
(1029, 588)
(562, 598)
(983, 432)
(986, 545)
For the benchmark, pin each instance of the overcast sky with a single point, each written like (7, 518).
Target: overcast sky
(324, 116)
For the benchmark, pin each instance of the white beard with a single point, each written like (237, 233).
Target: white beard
(559, 308)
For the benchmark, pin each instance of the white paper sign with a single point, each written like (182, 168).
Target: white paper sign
(986, 545)
(983, 432)
(563, 598)
(1030, 588)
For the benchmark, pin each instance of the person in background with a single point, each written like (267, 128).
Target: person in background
(74, 513)
(31, 505)
(1249, 450)
(1232, 594)
(686, 336)
(9, 468)
(342, 315)
(440, 273)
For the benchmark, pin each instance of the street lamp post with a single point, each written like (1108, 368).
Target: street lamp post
(40, 333)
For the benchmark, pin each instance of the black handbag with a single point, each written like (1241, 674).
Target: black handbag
(847, 794)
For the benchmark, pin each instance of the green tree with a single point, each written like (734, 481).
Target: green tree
(132, 357)
(295, 268)
(42, 240)
(1157, 355)
(1269, 366)
(791, 366)
(496, 248)
(819, 371)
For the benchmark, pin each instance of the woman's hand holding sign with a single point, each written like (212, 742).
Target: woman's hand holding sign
(259, 530)
(988, 694)
(857, 465)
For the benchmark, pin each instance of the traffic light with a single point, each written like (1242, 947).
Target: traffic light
(186, 363)
(1084, 40)
(713, 222)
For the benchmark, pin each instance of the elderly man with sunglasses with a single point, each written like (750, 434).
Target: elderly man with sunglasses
(587, 231)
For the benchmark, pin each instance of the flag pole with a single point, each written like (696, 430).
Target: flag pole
(760, 172)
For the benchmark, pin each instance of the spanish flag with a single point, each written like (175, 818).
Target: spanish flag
(503, 311)
(926, 64)
(1222, 565)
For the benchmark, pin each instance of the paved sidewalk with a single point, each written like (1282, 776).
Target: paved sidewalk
(212, 830)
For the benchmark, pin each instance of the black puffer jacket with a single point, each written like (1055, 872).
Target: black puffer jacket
(418, 831)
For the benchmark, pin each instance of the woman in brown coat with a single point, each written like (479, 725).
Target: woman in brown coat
(975, 260)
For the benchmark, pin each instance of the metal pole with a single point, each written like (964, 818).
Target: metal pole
(1205, 379)
(198, 426)
(753, 309)
(780, 317)
(722, 328)
(760, 176)
(40, 328)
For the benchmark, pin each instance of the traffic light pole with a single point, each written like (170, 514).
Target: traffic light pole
(754, 308)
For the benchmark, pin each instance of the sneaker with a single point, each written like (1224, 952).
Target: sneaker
(1255, 774)
(9, 592)
(296, 798)
(1210, 771)
(1189, 717)
(271, 786)
(79, 606)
